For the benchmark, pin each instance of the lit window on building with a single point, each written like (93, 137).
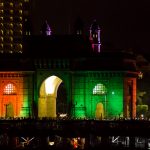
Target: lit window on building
(20, 46)
(11, 25)
(19, 25)
(1, 4)
(7, 32)
(11, 18)
(20, 4)
(20, 18)
(2, 46)
(11, 38)
(1, 32)
(1, 18)
(11, 11)
(20, 32)
(1, 11)
(9, 89)
(11, 4)
(20, 11)
(11, 32)
(99, 89)
(1, 39)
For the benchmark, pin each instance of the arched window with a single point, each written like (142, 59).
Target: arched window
(9, 89)
(99, 89)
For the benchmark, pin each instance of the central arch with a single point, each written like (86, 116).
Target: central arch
(47, 97)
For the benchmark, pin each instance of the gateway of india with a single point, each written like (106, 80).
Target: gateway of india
(51, 75)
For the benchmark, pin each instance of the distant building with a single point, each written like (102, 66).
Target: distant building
(14, 24)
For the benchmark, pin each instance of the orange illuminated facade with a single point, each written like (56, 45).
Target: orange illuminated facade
(11, 94)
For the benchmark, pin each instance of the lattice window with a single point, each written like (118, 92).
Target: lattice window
(99, 89)
(9, 89)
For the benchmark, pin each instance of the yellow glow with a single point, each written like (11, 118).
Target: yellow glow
(20, 11)
(1, 11)
(2, 39)
(11, 11)
(1, 4)
(11, 4)
(20, 46)
(11, 39)
(11, 18)
(2, 31)
(51, 143)
(20, 4)
(11, 25)
(11, 32)
(2, 45)
(9, 89)
(51, 84)
(20, 32)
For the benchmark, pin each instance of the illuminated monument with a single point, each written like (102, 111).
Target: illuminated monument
(67, 74)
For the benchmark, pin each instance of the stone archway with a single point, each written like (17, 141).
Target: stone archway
(101, 107)
(10, 106)
(47, 97)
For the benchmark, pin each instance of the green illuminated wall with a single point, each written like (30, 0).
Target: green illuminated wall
(27, 109)
(80, 97)
(85, 101)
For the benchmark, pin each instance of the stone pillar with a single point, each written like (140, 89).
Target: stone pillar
(42, 107)
(134, 99)
(51, 106)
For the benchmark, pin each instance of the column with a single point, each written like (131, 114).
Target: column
(51, 106)
(42, 107)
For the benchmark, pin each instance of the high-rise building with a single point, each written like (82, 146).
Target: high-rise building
(14, 24)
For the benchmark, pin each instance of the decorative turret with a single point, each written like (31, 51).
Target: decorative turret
(95, 36)
(46, 30)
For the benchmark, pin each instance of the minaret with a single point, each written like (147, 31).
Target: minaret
(46, 30)
(95, 36)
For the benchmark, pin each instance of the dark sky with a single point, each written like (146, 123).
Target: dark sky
(124, 23)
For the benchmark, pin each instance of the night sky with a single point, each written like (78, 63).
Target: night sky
(124, 23)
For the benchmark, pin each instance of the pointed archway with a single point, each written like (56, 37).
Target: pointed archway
(101, 107)
(10, 105)
(47, 97)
